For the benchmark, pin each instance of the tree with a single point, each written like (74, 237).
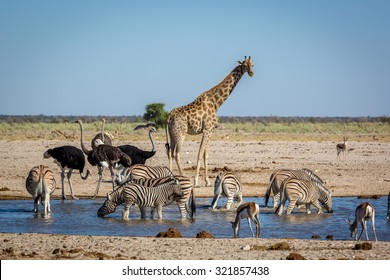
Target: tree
(155, 113)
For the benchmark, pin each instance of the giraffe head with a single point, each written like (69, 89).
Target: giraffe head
(247, 65)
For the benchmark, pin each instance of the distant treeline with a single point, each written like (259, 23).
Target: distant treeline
(222, 119)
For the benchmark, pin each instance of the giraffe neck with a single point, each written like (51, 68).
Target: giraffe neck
(222, 91)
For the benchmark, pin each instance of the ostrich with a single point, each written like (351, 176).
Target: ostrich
(137, 155)
(144, 126)
(108, 156)
(68, 157)
(103, 156)
(104, 136)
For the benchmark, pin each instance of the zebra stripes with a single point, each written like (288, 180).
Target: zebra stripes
(40, 183)
(186, 202)
(299, 192)
(228, 185)
(282, 174)
(141, 171)
(130, 193)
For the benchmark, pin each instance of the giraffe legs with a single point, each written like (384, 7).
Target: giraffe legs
(174, 152)
(203, 154)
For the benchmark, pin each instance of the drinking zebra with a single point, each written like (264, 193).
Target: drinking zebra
(139, 171)
(228, 185)
(186, 202)
(282, 174)
(40, 183)
(305, 192)
(130, 193)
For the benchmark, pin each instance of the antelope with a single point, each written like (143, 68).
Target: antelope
(249, 211)
(342, 148)
(363, 212)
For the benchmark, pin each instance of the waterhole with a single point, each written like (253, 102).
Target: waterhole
(79, 217)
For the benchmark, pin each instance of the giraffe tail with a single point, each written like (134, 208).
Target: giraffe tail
(167, 146)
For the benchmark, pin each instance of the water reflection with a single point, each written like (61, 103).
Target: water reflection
(79, 217)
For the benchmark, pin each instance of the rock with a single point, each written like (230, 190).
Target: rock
(280, 246)
(171, 233)
(363, 246)
(329, 237)
(246, 248)
(295, 256)
(204, 234)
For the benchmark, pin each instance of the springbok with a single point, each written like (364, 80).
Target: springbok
(363, 212)
(249, 211)
(342, 148)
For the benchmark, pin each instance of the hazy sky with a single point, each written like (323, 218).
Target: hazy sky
(312, 58)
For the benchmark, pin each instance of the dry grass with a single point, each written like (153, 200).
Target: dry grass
(361, 132)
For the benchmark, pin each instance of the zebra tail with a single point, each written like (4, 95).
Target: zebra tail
(193, 204)
(268, 192)
(281, 198)
(41, 188)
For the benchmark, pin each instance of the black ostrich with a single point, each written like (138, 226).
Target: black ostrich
(104, 136)
(108, 156)
(103, 156)
(68, 157)
(137, 155)
(145, 126)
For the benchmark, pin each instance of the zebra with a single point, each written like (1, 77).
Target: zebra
(228, 185)
(281, 174)
(131, 193)
(186, 202)
(40, 183)
(307, 192)
(139, 171)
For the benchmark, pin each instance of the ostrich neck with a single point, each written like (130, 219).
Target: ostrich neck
(151, 140)
(103, 131)
(85, 150)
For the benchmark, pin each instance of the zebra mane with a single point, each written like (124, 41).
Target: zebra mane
(115, 195)
(313, 175)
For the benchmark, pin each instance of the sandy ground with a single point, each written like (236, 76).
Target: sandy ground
(364, 172)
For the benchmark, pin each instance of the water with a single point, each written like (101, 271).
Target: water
(79, 217)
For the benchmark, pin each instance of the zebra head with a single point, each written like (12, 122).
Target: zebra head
(326, 199)
(177, 190)
(108, 207)
(328, 205)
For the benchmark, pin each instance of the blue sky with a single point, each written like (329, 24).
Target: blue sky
(312, 58)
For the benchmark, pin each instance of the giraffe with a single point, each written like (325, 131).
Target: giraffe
(200, 117)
